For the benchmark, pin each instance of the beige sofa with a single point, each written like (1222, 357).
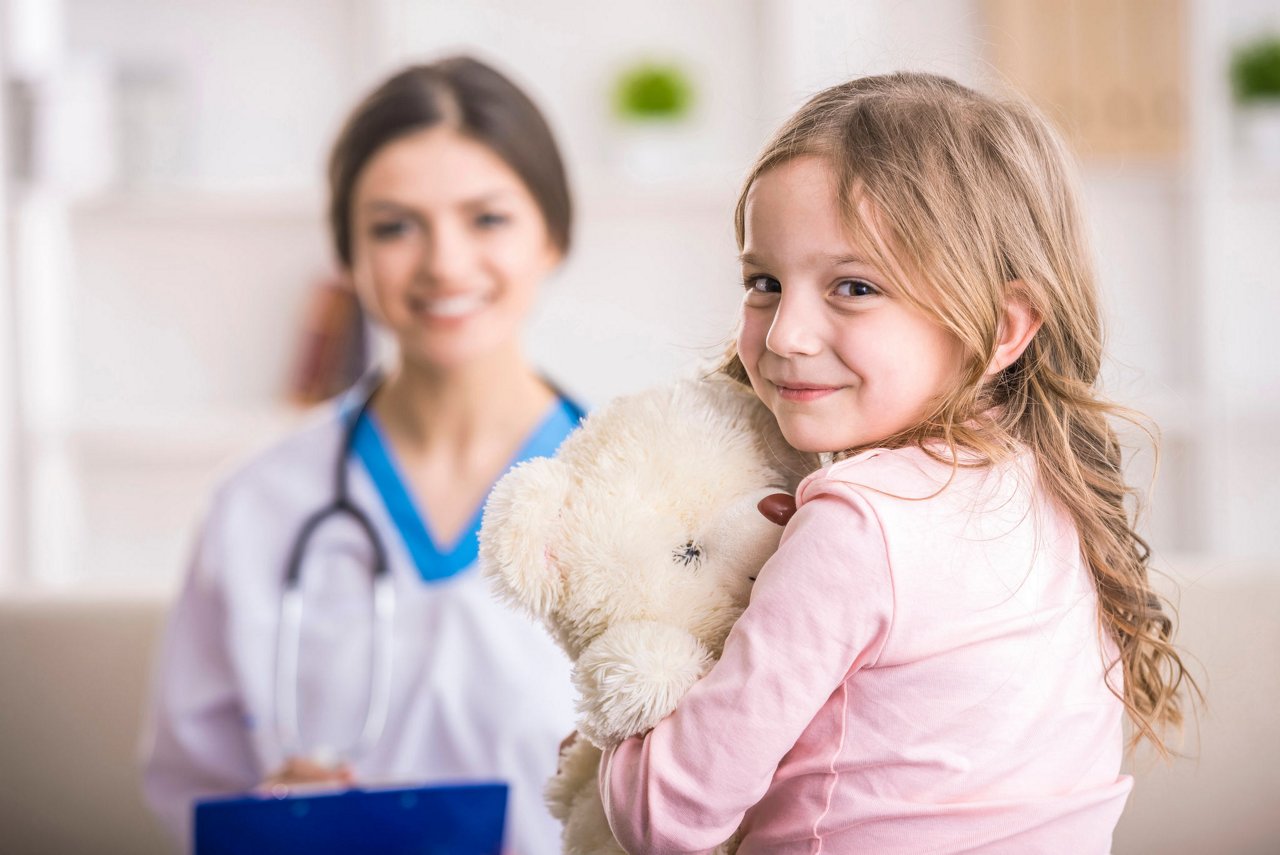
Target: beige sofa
(73, 673)
(1224, 798)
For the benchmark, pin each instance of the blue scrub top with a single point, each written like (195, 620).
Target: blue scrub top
(437, 562)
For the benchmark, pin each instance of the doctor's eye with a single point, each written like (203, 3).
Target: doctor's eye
(690, 553)
(491, 220)
(389, 229)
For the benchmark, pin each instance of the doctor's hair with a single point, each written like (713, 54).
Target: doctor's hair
(962, 200)
(466, 96)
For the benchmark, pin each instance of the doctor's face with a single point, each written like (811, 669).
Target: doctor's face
(448, 247)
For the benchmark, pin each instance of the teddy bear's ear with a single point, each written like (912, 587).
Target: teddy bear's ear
(520, 520)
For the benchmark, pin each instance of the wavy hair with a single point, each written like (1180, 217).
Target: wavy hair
(960, 197)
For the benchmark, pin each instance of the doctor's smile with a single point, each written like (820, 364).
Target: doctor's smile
(454, 308)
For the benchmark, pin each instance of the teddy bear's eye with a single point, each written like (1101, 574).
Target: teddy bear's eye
(688, 554)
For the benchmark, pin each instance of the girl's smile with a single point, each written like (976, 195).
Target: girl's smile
(802, 392)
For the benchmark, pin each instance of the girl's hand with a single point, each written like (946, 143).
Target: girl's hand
(305, 774)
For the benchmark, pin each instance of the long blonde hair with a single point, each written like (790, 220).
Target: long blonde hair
(960, 197)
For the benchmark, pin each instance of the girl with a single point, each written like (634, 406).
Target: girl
(940, 654)
(448, 208)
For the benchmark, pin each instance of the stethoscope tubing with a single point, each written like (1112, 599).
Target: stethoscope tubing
(289, 633)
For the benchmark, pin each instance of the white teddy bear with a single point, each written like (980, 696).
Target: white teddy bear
(637, 546)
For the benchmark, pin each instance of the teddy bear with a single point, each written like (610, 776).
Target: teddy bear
(636, 546)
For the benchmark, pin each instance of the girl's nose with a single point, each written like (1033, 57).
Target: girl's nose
(795, 328)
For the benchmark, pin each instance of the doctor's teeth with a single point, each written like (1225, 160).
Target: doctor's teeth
(452, 306)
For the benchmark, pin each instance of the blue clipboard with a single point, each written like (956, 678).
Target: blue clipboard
(466, 819)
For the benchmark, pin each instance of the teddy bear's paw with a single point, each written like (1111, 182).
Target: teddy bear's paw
(587, 831)
(730, 846)
(633, 675)
(574, 780)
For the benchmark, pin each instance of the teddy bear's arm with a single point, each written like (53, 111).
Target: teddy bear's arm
(632, 677)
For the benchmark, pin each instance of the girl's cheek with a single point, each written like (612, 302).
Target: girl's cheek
(755, 326)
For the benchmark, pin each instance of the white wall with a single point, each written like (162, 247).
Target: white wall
(261, 85)
(136, 343)
(12, 500)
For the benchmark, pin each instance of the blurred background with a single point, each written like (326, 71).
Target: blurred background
(167, 300)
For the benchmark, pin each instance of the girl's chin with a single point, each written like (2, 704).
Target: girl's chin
(806, 441)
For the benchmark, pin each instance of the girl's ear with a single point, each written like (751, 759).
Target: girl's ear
(1017, 327)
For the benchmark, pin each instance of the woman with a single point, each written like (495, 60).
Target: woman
(449, 207)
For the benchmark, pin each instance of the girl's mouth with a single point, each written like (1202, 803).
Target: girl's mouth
(801, 394)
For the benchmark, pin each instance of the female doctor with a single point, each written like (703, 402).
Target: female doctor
(449, 206)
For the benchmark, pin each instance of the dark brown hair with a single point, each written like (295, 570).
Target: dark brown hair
(471, 98)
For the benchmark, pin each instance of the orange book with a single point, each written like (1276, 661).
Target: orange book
(330, 354)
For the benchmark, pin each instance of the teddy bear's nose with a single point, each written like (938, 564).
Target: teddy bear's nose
(778, 507)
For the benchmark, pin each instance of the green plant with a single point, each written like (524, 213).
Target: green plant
(653, 91)
(1255, 70)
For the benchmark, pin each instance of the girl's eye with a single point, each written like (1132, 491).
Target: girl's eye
(490, 220)
(855, 288)
(762, 285)
(389, 229)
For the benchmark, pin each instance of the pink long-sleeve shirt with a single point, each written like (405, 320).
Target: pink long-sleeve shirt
(921, 670)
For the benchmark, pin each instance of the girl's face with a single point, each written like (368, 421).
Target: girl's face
(448, 247)
(839, 359)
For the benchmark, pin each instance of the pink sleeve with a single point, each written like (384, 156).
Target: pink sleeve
(820, 610)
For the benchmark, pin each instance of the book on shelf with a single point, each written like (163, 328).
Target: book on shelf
(332, 348)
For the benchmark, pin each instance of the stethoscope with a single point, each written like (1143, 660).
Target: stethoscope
(289, 638)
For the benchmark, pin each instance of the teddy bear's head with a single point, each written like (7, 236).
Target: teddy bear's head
(646, 516)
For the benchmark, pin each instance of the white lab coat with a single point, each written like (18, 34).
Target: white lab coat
(478, 691)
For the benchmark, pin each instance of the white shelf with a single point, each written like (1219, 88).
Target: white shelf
(1188, 569)
(91, 592)
(1173, 412)
(166, 436)
(1185, 413)
(602, 194)
(1255, 184)
(305, 205)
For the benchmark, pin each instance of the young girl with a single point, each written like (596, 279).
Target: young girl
(940, 654)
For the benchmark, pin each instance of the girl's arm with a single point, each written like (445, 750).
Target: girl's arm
(197, 742)
(820, 610)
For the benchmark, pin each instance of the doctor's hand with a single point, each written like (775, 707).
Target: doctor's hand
(302, 773)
